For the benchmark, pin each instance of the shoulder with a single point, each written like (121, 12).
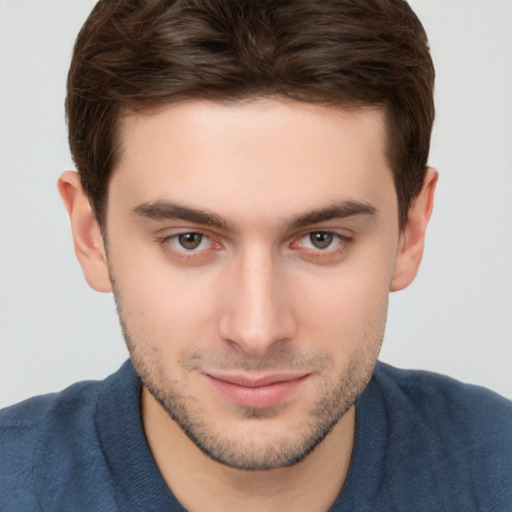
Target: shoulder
(461, 432)
(40, 434)
(27, 420)
(436, 398)
(27, 414)
(22, 424)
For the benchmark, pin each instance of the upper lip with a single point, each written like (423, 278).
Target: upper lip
(257, 381)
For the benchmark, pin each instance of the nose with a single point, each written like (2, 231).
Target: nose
(257, 313)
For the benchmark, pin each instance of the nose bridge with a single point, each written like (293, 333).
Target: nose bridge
(257, 315)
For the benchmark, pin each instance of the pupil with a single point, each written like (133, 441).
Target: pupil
(321, 240)
(190, 240)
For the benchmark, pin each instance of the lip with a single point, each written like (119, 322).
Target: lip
(256, 392)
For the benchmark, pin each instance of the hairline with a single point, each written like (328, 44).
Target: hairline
(152, 108)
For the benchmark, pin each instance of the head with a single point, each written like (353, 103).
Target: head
(252, 184)
(134, 55)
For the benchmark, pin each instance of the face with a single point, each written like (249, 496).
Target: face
(251, 250)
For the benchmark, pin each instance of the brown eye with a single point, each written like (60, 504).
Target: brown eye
(190, 241)
(321, 239)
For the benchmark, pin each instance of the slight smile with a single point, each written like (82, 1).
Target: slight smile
(256, 392)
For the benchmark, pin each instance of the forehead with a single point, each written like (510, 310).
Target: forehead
(261, 156)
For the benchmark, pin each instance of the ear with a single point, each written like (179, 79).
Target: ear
(412, 239)
(89, 246)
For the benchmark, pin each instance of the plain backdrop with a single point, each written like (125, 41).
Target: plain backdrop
(455, 319)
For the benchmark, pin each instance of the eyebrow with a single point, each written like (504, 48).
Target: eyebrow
(164, 210)
(338, 210)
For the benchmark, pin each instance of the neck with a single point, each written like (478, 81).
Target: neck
(199, 483)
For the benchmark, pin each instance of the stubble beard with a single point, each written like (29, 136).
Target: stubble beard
(339, 393)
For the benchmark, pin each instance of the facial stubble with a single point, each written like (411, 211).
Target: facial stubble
(339, 391)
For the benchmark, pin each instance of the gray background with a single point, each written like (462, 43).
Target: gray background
(455, 319)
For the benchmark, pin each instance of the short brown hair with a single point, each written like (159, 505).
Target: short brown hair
(134, 54)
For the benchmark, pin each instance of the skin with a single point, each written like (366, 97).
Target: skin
(294, 211)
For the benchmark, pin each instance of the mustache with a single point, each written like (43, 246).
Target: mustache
(277, 360)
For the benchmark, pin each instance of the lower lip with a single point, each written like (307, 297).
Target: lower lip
(257, 397)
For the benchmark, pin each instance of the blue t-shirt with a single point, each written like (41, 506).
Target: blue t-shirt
(423, 442)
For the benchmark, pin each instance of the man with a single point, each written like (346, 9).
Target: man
(252, 184)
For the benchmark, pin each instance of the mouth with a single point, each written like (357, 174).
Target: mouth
(256, 392)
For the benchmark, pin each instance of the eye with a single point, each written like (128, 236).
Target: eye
(321, 240)
(190, 241)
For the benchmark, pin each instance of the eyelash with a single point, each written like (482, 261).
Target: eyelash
(170, 244)
(343, 242)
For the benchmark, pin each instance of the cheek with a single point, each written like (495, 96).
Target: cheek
(164, 309)
(347, 310)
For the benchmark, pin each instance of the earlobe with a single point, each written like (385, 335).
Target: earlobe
(412, 240)
(88, 241)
